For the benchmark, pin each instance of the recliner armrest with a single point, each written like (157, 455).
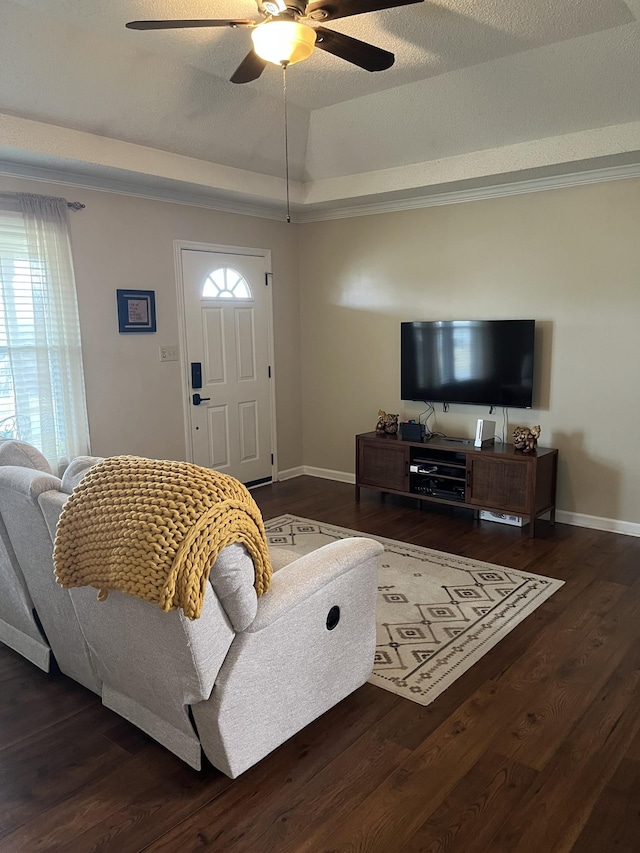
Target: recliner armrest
(51, 504)
(296, 583)
(30, 482)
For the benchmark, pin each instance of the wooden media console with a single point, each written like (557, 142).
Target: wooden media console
(497, 478)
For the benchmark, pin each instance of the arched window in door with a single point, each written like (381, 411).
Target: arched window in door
(226, 283)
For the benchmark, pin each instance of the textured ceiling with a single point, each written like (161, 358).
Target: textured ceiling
(470, 76)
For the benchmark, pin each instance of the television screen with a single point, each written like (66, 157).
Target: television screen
(483, 362)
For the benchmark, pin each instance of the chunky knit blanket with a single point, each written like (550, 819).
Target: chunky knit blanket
(154, 528)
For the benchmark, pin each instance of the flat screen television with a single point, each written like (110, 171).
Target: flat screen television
(482, 362)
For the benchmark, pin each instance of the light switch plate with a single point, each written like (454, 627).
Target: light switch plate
(168, 353)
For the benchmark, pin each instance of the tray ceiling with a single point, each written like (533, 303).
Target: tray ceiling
(470, 76)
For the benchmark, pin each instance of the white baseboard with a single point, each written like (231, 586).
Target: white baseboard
(327, 474)
(323, 473)
(577, 519)
(613, 525)
(290, 473)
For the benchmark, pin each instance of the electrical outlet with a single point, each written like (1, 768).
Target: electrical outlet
(168, 353)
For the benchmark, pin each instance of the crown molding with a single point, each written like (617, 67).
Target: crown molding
(554, 182)
(276, 210)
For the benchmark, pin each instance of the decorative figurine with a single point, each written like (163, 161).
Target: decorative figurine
(526, 439)
(386, 423)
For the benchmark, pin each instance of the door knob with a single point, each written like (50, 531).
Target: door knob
(197, 399)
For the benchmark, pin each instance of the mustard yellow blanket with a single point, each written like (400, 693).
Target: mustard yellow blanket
(154, 528)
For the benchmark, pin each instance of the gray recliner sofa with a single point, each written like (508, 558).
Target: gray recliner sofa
(30, 542)
(20, 628)
(244, 677)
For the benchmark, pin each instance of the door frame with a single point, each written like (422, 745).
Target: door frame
(185, 373)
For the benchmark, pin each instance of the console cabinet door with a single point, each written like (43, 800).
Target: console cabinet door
(499, 483)
(385, 466)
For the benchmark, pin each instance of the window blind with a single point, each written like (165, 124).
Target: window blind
(42, 397)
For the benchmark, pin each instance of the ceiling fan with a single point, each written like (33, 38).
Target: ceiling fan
(290, 31)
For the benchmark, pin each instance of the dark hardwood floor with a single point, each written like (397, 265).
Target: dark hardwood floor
(536, 748)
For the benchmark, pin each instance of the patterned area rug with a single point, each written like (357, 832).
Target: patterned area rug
(437, 613)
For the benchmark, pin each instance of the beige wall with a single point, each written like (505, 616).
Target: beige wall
(134, 400)
(568, 258)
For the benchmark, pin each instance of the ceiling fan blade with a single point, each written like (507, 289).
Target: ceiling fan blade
(249, 69)
(344, 8)
(178, 25)
(357, 52)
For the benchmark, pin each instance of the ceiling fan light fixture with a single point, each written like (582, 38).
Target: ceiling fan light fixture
(274, 7)
(283, 42)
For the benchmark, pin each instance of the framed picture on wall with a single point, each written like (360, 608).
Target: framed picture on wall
(136, 310)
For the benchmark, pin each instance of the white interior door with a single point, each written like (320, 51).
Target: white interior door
(227, 332)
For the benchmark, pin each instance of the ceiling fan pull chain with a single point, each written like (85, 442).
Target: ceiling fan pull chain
(286, 136)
